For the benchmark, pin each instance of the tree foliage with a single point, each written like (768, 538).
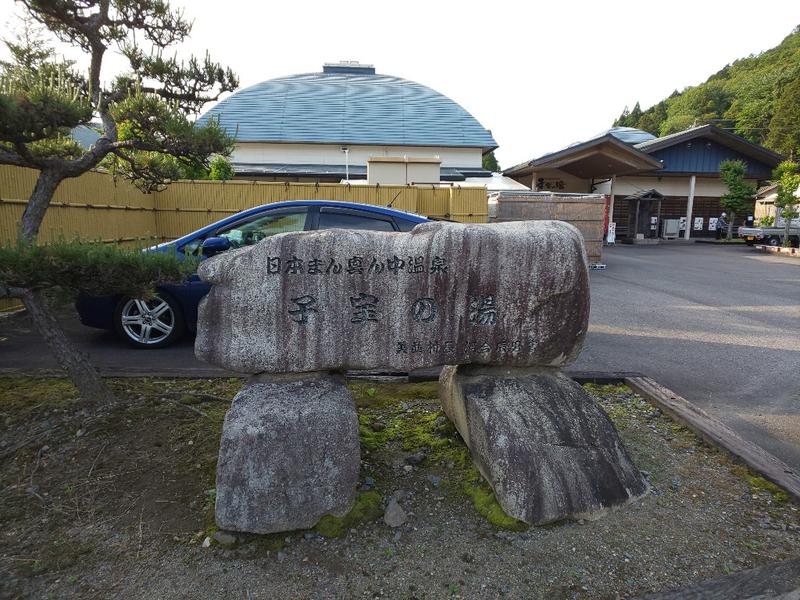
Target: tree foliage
(787, 176)
(490, 162)
(148, 133)
(784, 126)
(757, 97)
(146, 111)
(221, 169)
(740, 194)
(92, 268)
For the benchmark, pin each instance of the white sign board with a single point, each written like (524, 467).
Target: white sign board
(712, 223)
(683, 224)
(698, 223)
(611, 238)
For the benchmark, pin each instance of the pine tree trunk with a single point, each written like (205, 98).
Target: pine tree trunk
(90, 385)
(43, 191)
(84, 376)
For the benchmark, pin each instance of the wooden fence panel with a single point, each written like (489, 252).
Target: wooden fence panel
(468, 205)
(97, 206)
(433, 201)
(93, 206)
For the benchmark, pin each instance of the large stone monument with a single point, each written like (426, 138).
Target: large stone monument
(509, 302)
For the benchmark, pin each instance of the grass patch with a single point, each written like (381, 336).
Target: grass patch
(367, 508)
(486, 503)
(759, 485)
(381, 395)
(23, 399)
(58, 555)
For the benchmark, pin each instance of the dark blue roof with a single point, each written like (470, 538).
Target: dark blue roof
(349, 108)
(702, 149)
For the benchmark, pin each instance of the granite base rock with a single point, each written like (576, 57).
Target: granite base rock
(541, 441)
(289, 454)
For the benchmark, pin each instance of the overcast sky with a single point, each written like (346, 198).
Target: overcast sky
(540, 75)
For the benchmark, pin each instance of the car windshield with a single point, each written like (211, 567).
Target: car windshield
(246, 233)
(255, 229)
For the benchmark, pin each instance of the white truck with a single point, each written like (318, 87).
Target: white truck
(769, 236)
(765, 210)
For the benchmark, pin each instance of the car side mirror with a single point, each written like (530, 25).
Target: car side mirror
(215, 245)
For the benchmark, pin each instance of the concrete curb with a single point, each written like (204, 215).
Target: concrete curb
(720, 243)
(793, 252)
(15, 313)
(777, 580)
(717, 434)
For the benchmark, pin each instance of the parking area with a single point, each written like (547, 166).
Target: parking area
(719, 325)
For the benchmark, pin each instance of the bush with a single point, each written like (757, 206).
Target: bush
(220, 169)
(91, 267)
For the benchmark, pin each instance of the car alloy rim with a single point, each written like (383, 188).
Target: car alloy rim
(147, 321)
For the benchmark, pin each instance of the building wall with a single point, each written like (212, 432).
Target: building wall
(677, 185)
(331, 154)
(668, 186)
(704, 156)
(674, 208)
(401, 172)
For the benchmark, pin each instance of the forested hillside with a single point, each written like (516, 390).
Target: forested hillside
(757, 97)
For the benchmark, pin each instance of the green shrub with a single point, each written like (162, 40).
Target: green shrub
(90, 267)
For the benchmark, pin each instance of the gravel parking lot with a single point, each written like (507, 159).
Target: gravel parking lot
(119, 503)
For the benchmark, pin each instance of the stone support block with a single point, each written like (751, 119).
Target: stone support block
(289, 453)
(541, 441)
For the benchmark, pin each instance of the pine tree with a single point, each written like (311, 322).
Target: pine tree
(145, 117)
(490, 162)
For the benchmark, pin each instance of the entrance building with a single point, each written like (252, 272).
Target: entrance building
(627, 164)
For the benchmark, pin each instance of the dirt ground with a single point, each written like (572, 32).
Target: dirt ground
(119, 503)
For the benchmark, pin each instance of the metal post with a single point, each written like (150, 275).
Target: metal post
(689, 206)
(658, 222)
(611, 200)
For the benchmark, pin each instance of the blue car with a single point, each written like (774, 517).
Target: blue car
(162, 320)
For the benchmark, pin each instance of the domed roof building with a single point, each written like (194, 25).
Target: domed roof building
(327, 126)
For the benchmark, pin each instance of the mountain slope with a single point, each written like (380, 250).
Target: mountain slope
(757, 97)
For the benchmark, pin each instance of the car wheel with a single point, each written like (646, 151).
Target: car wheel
(146, 324)
(772, 241)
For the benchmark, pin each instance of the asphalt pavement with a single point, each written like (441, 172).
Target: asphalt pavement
(718, 325)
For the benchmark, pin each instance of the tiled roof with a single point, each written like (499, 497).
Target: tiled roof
(349, 108)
